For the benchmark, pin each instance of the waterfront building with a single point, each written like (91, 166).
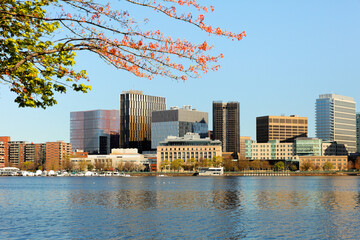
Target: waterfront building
(226, 125)
(308, 146)
(358, 132)
(272, 150)
(191, 146)
(16, 153)
(4, 151)
(282, 128)
(135, 119)
(334, 149)
(242, 145)
(177, 122)
(56, 153)
(96, 131)
(338, 162)
(336, 120)
(115, 158)
(35, 152)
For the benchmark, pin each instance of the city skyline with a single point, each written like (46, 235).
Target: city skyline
(279, 68)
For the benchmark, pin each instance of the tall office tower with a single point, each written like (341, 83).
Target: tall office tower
(336, 120)
(135, 119)
(226, 125)
(4, 151)
(357, 132)
(282, 128)
(94, 131)
(242, 145)
(177, 122)
(56, 152)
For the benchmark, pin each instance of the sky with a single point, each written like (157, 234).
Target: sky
(294, 51)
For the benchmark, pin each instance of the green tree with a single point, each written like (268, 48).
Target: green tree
(38, 47)
(90, 167)
(176, 164)
(27, 165)
(217, 161)
(164, 164)
(279, 166)
(328, 166)
(66, 164)
(82, 165)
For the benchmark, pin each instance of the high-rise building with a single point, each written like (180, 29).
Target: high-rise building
(336, 120)
(282, 128)
(226, 125)
(177, 122)
(95, 132)
(357, 132)
(56, 152)
(135, 119)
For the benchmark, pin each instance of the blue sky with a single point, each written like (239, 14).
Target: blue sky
(294, 51)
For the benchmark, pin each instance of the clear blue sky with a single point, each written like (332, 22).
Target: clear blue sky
(294, 51)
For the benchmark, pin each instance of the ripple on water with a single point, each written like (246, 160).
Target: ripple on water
(178, 208)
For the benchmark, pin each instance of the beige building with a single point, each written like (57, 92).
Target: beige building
(242, 145)
(338, 162)
(282, 128)
(187, 147)
(273, 150)
(116, 157)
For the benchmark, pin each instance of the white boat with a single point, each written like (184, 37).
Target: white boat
(51, 173)
(89, 174)
(38, 173)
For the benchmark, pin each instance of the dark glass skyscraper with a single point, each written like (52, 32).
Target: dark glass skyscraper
(226, 125)
(94, 131)
(135, 119)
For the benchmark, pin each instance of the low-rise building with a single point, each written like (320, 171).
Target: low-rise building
(338, 162)
(273, 150)
(115, 158)
(187, 147)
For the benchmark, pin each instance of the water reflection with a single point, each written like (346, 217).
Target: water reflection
(148, 208)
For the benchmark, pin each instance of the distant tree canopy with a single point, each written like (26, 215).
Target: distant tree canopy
(37, 59)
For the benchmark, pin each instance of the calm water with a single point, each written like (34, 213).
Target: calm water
(180, 208)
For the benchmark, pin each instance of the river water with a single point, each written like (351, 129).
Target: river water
(179, 208)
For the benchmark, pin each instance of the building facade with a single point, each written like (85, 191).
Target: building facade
(358, 132)
(226, 125)
(338, 162)
(56, 152)
(95, 132)
(336, 120)
(115, 158)
(187, 147)
(135, 119)
(272, 150)
(308, 146)
(282, 128)
(177, 122)
(16, 153)
(242, 145)
(4, 151)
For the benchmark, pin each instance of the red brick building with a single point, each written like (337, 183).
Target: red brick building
(56, 152)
